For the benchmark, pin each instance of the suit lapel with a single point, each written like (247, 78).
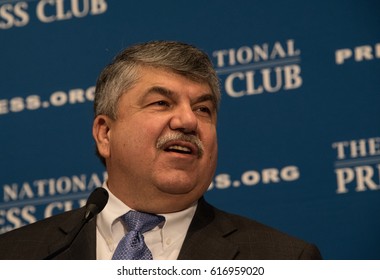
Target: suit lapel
(206, 236)
(205, 239)
(84, 245)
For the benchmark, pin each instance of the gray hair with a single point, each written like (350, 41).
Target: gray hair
(122, 73)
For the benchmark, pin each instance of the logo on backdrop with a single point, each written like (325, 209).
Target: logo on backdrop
(251, 178)
(18, 13)
(56, 99)
(259, 68)
(357, 54)
(26, 202)
(357, 165)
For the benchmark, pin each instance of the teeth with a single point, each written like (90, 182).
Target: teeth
(179, 148)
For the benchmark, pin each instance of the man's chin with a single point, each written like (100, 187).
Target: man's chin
(173, 188)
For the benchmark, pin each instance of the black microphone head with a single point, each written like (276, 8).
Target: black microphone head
(96, 202)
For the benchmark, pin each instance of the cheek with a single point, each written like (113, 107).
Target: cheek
(129, 151)
(211, 150)
(136, 138)
(210, 141)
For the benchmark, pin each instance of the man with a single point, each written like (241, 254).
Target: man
(155, 129)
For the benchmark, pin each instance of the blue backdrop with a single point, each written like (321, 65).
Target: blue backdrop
(299, 131)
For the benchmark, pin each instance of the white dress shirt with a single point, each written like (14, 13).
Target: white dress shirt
(164, 241)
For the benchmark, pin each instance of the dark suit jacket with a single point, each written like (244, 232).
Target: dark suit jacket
(213, 235)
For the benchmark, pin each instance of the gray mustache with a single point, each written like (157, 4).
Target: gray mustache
(180, 137)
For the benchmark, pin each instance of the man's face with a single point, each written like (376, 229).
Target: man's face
(151, 167)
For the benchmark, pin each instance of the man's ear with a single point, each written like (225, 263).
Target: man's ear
(101, 131)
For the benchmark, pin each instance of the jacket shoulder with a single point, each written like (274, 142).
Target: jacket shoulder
(32, 241)
(256, 240)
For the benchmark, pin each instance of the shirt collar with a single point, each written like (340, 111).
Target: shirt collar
(110, 227)
(176, 226)
(107, 220)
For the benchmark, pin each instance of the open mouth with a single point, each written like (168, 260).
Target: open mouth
(181, 144)
(179, 149)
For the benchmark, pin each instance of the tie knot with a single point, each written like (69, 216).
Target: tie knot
(140, 221)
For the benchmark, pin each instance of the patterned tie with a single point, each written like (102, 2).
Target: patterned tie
(132, 245)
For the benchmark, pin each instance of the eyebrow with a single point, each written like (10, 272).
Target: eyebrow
(169, 94)
(161, 90)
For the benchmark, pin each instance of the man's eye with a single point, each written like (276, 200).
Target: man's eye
(161, 103)
(204, 110)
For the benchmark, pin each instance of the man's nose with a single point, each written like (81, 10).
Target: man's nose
(184, 119)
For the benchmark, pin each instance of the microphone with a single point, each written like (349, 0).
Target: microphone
(94, 205)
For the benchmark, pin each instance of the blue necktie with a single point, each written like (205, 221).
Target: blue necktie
(132, 245)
